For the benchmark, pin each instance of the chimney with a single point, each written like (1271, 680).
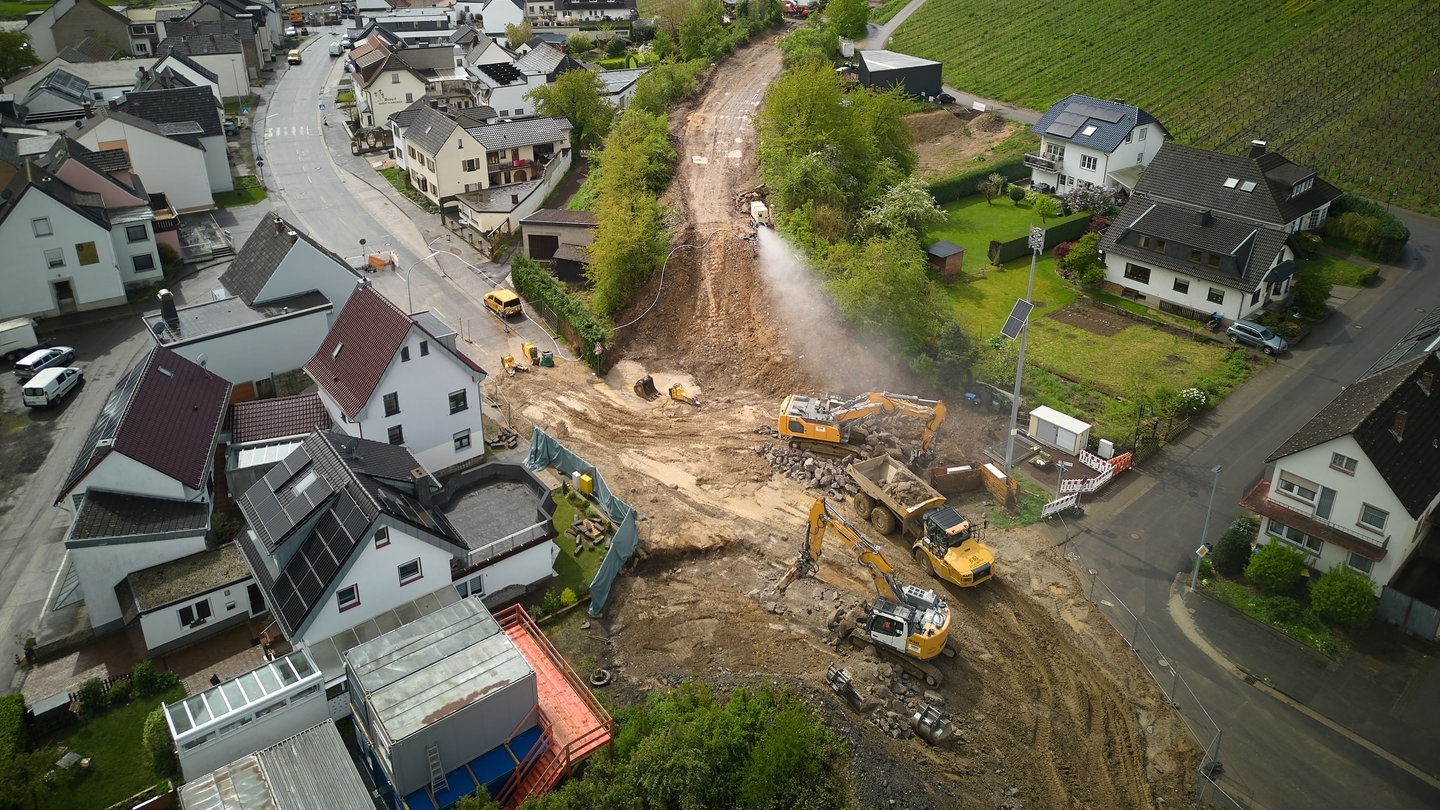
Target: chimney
(279, 225)
(1203, 218)
(1257, 148)
(421, 480)
(514, 199)
(89, 110)
(168, 311)
(1427, 382)
(292, 236)
(1398, 429)
(113, 105)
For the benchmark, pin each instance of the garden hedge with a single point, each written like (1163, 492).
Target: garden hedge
(1002, 252)
(14, 739)
(967, 183)
(538, 286)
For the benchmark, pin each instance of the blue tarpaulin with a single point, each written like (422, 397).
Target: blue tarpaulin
(546, 452)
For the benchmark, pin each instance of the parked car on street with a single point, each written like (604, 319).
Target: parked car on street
(1254, 334)
(41, 359)
(294, 57)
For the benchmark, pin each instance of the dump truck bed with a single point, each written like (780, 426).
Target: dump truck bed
(892, 483)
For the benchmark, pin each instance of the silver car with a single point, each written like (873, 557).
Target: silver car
(1254, 334)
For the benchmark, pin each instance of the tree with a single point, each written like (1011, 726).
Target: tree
(1312, 291)
(1275, 567)
(479, 800)
(578, 96)
(809, 42)
(1096, 199)
(700, 34)
(1017, 194)
(664, 85)
(1083, 261)
(955, 356)
(155, 736)
(1343, 597)
(16, 55)
(578, 45)
(517, 35)
(33, 774)
(882, 286)
(906, 207)
(847, 18)
(992, 187)
(1046, 207)
(1232, 550)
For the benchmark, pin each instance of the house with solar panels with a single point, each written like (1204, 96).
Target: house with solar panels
(1090, 140)
(141, 490)
(461, 699)
(1208, 232)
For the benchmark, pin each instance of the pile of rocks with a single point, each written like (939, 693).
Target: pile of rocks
(824, 473)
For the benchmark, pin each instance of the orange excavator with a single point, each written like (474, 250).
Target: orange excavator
(822, 425)
(910, 625)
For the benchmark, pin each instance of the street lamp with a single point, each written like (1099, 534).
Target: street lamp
(1205, 529)
(1037, 244)
(364, 263)
(409, 303)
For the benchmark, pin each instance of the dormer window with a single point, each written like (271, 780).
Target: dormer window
(1301, 187)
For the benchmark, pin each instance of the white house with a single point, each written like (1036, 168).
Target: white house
(141, 490)
(275, 304)
(190, 115)
(65, 251)
(1208, 232)
(185, 70)
(343, 530)
(492, 16)
(396, 378)
(178, 166)
(178, 603)
(1359, 483)
(1089, 140)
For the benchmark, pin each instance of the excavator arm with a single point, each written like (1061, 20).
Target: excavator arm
(825, 518)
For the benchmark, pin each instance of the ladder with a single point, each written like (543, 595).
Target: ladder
(438, 782)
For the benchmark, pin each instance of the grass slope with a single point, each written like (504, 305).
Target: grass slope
(1347, 88)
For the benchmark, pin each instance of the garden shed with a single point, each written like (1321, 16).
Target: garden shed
(1060, 431)
(946, 258)
(882, 70)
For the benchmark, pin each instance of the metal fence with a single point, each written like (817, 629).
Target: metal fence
(1413, 616)
(1177, 691)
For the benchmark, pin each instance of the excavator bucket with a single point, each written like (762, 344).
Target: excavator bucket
(645, 388)
(677, 393)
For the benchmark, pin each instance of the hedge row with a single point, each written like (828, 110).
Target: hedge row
(1002, 252)
(538, 286)
(13, 737)
(1390, 237)
(953, 188)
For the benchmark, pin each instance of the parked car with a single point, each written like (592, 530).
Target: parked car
(231, 128)
(41, 359)
(1254, 334)
(292, 31)
(944, 98)
(50, 386)
(294, 57)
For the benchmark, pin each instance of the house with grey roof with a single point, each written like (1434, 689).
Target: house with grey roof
(190, 115)
(141, 489)
(76, 236)
(233, 51)
(562, 237)
(68, 22)
(1359, 483)
(401, 379)
(311, 769)
(1092, 141)
(1208, 232)
(182, 602)
(175, 69)
(275, 303)
(173, 163)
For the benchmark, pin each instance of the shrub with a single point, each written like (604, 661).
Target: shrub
(1060, 251)
(13, 737)
(1232, 551)
(1311, 293)
(1343, 597)
(550, 604)
(120, 692)
(1275, 567)
(145, 679)
(1017, 194)
(160, 749)
(91, 696)
(568, 597)
(1283, 610)
(616, 47)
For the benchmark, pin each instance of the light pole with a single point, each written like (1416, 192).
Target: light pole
(1037, 244)
(409, 303)
(364, 260)
(1205, 529)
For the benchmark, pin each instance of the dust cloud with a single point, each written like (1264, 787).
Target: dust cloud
(813, 331)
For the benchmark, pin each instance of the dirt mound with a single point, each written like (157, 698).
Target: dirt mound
(1051, 707)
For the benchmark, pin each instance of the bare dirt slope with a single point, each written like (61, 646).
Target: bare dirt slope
(1052, 709)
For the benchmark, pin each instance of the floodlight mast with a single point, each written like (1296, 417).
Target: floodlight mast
(1022, 313)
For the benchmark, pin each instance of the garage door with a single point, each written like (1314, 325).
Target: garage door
(543, 247)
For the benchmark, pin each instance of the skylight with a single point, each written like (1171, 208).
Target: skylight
(1232, 182)
(338, 347)
(1247, 186)
(1090, 130)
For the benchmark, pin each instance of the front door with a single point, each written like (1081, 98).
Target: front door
(257, 601)
(64, 295)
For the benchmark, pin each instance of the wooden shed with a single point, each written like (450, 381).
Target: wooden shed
(946, 258)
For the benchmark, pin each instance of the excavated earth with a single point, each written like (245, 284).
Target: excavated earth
(1050, 707)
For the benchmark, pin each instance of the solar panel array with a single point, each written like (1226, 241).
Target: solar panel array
(1077, 113)
(292, 491)
(1018, 316)
(502, 72)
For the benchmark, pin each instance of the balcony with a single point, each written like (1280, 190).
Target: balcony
(1258, 500)
(1042, 162)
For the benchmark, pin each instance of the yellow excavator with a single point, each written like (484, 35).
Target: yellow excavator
(822, 424)
(910, 625)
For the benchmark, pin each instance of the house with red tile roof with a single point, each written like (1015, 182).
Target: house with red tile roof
(397, 378)
(141, 490)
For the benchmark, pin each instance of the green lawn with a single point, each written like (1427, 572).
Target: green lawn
(1336, 270)
(575, 573)
(1335, 86)
(247, 192)
(118, 765)
(973, 224)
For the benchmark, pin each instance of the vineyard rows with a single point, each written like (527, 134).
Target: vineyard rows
(1346, 87)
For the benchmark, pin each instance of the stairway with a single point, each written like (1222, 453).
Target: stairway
(438, 783)
(538, 779)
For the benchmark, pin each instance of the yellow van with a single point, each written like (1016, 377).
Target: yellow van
(504, 303)
(294, 57)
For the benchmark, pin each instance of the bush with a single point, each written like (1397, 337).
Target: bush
(1275, 567)
(1017, 194)
(145, 679)
(1061, 251)
(120, 693)
(1283, 610)
(616, 47)
(1311, 293)
(1232, 551)
(155, 736)
(91, 696)
(14, 738)
(568, 597)
(550, 604)
(1343, 597)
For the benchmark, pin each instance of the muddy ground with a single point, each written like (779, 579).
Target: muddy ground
(1051, 707)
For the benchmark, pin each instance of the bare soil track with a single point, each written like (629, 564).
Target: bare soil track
(1053, 709)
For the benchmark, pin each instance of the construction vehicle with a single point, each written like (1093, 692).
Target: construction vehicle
(677, 393)
(910, 625)
(823, 425)
(892, 497)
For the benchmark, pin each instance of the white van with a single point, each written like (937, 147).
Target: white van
(50, 386)
(336, 48)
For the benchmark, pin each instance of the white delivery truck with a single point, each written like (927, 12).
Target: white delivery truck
(17, 338)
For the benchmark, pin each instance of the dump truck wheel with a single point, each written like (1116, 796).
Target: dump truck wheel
(863, 504)
(883, 520)
(924, 559)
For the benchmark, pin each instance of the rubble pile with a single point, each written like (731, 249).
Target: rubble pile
(822, 473)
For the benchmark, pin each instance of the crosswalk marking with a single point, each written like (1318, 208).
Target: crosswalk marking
(282, 132)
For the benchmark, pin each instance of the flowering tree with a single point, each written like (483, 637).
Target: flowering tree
(1097, 199)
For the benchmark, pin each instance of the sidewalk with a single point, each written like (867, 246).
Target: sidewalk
(1382, 691)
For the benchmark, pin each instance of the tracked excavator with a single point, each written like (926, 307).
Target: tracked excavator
(823, 424)
(907, 624)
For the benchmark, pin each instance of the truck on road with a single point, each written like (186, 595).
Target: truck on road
(893, 498)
